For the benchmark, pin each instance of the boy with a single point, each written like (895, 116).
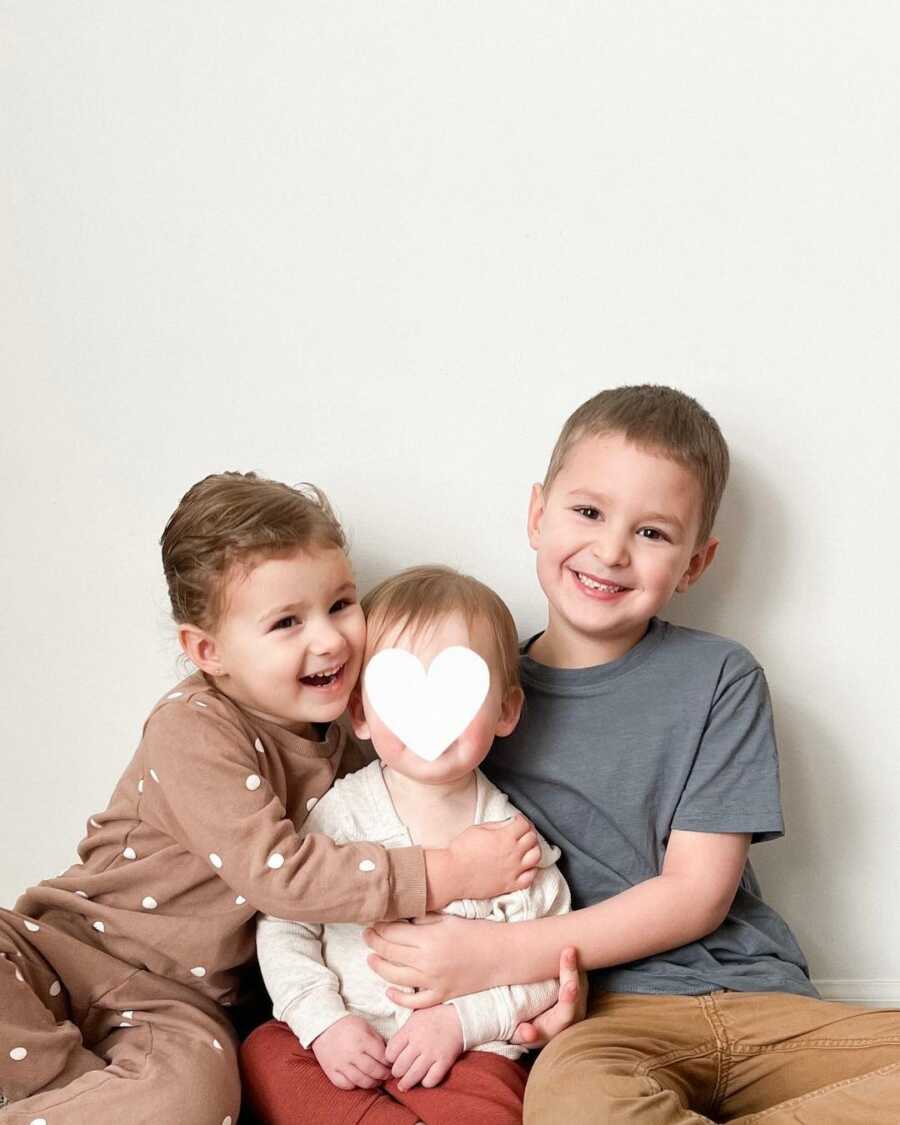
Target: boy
(359, 1057)
(113, 974)
(646, 751)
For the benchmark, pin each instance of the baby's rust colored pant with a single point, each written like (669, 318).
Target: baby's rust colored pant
(86, 1039)
(284, 1083)
(746, 1058)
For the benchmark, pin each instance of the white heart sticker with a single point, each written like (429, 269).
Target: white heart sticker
(427, 710)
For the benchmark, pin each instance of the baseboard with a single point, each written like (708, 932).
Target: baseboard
(873, 993)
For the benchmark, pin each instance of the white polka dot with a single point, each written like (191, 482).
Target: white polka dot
(200, 703)
(129, 1015)
(18, 1053)
(311, 803)
(217, 1044)
(38, 1121)
(81, 894)
(154, 775)
(240, 900)
(367, 865)
(198, 971)
(226, 1120)
(19, 976)
(141, 786)
(99, 927)
(175, 695)
(258, 746)
(275, 860)
(149, 903)
(215, 860)
(55, 988)
(32, 926)
(94, 823)
(125, 1023)
(130, 853)
(253, 782)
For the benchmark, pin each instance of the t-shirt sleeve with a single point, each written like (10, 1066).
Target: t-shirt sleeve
(201, 774)
(733, 785)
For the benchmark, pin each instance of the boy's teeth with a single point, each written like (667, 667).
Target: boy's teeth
(606, 587)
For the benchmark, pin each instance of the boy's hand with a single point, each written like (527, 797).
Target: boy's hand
(438, 955)
(425, 1048)
(484, 861)
(569, 1008)
(352, 1054)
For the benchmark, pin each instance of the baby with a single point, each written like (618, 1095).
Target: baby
(347, 1049)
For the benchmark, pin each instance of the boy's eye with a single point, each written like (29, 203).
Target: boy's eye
(340, 604)
(588, 512)
(286, 622)
(652, 533)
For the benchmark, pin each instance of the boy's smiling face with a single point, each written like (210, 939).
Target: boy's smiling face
(290, 641)
(615, 536)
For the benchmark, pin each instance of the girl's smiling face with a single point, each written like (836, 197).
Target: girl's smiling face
(290, 641)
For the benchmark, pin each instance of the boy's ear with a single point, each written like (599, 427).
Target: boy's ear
(200, 648)
(510, 711)
(357, 714)
(535, 515)
(701, 560)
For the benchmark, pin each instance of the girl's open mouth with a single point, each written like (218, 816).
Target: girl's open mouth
(324, 679)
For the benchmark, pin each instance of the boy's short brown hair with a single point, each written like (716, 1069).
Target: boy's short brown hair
(661, 420)
(237, 519)
(419, 595)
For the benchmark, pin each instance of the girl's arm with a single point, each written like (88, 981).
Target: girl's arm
(687, 900)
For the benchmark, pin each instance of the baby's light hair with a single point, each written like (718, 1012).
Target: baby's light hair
(660, 420)
(420, 595)
(230, 520)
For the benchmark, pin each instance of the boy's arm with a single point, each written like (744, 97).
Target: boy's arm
(687, 900)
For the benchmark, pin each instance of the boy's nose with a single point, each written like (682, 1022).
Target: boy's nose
(325, 639)
(611, 550)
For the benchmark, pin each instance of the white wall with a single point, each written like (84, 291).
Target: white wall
(389, 247)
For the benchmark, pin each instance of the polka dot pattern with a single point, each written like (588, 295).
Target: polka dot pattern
(200, 703)
(129, 853)
(32, 927)
(82, 894)
(226, 1120)
(18, 1053)
(215, 860)
(240, 900)
(99, 927)
(175, 695)
(217, 1044)
(253, 782)
(38, 1121)
(275, 860)
(311, 803)
(129, 1015)
(55, 988)
(155, 776)
(198, 971)
(367, 865)
(149, 903)
(258, 746)
(141, 786)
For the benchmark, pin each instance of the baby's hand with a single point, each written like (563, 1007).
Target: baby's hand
(425, 1048)
(352, 1054)
(495, 858)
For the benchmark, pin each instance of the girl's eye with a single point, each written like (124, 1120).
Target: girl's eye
(285, 622)
(652, 533)
(588, 512)
(340, 604)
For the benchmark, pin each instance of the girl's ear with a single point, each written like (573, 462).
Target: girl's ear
(357, 714)
(200, 648)
(510, 711)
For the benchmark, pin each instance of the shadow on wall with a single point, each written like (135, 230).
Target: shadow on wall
(817, 784)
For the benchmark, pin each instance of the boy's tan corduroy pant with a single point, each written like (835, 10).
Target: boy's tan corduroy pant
(86, 1039)
(739, 1057)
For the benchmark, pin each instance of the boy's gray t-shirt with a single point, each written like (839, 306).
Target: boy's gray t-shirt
(606, 760)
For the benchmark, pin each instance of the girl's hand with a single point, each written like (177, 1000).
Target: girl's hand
(569, 1008)
(352, 1054)
(495, 858)
(425, 1048)
(439, 955)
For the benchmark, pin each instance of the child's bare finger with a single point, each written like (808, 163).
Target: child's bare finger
(390, 950)
(526, 879)
(372, 1067)
(416, 1073)
(393, 973)
(424, 998)
(394, 932)
(405, 1060)
(360, 1080)
(339, 1079)
(435, 1074)
(532, 857)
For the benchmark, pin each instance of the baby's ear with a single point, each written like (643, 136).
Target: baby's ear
(357, 714)
(510, 711)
